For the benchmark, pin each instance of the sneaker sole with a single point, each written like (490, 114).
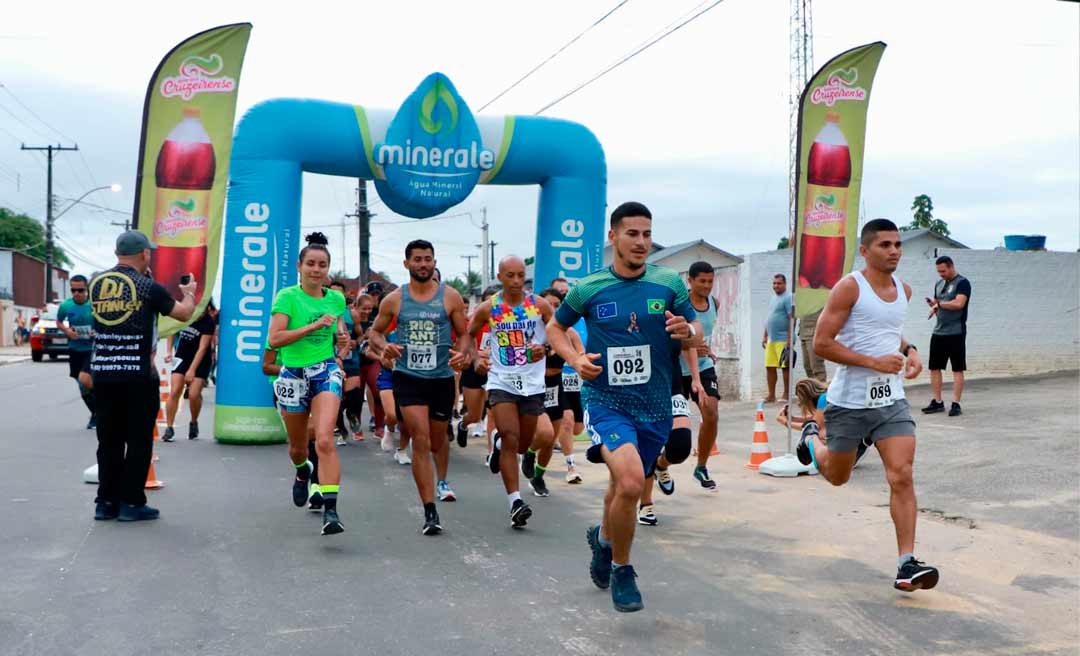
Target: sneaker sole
(333, 528)
(300, 496)
(665, 491)
(924, 581)
(539, 493)
(647, 522)
(521, 518)
(594, 544)
(431, 530)
(448, 498)
(463, 440)
(493, 464)
(932, 412)
(574, 481)
(629, 608)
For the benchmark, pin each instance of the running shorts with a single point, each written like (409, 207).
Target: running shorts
(708, 381)
(295, 387)
(436, 393)
(845, 428)
(945, 349)
(532, 404)
(616, 428)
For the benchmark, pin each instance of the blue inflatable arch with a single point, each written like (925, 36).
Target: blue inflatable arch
(424, 158)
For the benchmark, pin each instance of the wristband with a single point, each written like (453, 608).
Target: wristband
(907, 349)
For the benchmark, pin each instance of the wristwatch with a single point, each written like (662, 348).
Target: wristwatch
(909, 347)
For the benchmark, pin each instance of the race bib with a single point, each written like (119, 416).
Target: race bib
(515, 381)
(881, 391)
(551, 397)
(83, 332)
(629, 365)
(679, 406)
(421, 357)
(176, 363)
(571, 382)
(289, 391)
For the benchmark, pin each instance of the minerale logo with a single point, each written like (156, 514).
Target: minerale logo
(197, 75)
(571, 259)
(464, 159)
(838, 87)
(252, 305)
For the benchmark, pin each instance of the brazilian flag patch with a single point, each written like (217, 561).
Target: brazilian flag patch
(656, 306)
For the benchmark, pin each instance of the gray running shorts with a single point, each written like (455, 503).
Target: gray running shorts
(845, 428)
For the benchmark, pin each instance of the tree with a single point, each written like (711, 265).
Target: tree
(783, 243)
(460, 285)
(26, 235)
(923, 210)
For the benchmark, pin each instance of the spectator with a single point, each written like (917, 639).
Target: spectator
(21, 333)
(812, 362)
(776, 341)
(948, 343)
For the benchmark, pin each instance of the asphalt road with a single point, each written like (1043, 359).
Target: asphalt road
(762, 567)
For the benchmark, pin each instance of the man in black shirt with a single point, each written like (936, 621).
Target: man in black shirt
(126, 303)
(948, 344)
(191, 366)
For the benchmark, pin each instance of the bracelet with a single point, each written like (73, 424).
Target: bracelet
(907, 349)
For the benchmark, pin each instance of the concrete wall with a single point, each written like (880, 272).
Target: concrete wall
(1024, 316)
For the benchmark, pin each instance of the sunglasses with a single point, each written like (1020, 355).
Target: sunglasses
(78, 290)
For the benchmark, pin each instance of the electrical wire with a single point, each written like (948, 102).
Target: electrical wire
(33, 113)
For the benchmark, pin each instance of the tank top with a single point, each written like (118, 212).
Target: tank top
(423, 330)
(707, 317)
(513, 329)
(873, 328)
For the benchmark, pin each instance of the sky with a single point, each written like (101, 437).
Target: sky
(976, 103)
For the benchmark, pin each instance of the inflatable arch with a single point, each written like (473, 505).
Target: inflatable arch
(424, 159)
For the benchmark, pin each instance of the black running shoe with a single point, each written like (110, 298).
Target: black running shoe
(539, 487)
(915, 575)
(520, 514)
(664, 481)
(954, 410)
(300, 489)
(600, 565)
(105, 510)
(702, 476)
(802, 448)
(624, 590)
(462, 434)
(860, 452)
(92, 424)
(331, 525)
(528, 464)
(315, 501)
(193, 431)
(431, 523)
(493, 461)
(168, 435)
(129, 513)
(935, 406)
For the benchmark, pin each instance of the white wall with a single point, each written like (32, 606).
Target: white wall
(7, 281)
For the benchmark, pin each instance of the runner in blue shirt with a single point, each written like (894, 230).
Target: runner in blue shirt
(79, 328)
(636, 315)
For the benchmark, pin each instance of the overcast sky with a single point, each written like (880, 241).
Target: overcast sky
(976, 103)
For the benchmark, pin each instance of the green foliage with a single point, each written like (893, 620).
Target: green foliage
(923, 217)
(782, 244)
(460, 285)
(26, 235)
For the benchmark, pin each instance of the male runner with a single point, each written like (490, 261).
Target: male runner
(423, 379)
(701, 284)
(861, 330)
(633, 312)
(515, 370)
(79, 328)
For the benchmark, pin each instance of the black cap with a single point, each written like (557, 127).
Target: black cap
(374, 288)
(133, 242)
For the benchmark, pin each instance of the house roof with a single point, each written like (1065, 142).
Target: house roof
(658, 255)
(909, 235)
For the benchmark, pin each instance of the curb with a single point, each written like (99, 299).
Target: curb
(13, 361)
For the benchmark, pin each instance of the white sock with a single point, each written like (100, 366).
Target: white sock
(569, 461)
(512, 497)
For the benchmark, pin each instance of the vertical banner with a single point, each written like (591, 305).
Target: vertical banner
(832, 133)
(184, 158)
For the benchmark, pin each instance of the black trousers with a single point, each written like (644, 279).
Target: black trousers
(126, 413)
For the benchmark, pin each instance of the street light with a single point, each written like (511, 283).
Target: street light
(115, 188)
(49, 236)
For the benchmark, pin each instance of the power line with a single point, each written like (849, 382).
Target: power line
(553, 55)
(627, 58)
(25, 124)
(33, 113)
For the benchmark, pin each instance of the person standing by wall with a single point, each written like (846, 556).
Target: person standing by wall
(812, 362)
(948, 344)
(776, 340)
(126, 303)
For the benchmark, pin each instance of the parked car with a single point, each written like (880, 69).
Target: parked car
(46, 338)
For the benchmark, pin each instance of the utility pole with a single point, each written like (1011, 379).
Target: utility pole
(491, 259)
(363, 217)
(485, 277)
(49, 215)
(126, 224)
(468, 276)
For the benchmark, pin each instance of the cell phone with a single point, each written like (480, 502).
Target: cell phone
(186, 278)
(929, 301)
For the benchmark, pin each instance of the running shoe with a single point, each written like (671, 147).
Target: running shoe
(380, 432)
(572, 475)
(358, 436)
(92, 424)
(371, 423)
(462, 434)
(129, 513)
(665, 482)
(624, 590)
(954, 410)
(520, 513)
(647, 515)
(431, 523)
(935, 406)
(401, 457)
(600, 566)
(528, 464)
(702, 474)
(193, 430)
(487, 460)
(168, 435)
(915, 575)
(802, 450)
(354, 423)
(539, 487)
(444, 491)
(105, 510)
(300, 488)
(341, 440)
(864, 444)
(493, 459)
(387, 442)
(315, 501)
(331, 525)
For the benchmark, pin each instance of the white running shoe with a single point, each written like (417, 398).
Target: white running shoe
(387, 442)
(572, 476)
(341, 440)
(401, 457)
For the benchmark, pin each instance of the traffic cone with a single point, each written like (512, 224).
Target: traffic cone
(163, 394)
(759, 450)
(152, 483)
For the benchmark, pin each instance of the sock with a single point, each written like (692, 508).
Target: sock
(313, 488)
(569, 461)
(604, 542)
(303, 472)
(813, 458)
(429, 508)
(539, 471)
(512, 497)
(531, 451)
(903, 559)
(329, 495)
(615, 565)
(313, 457)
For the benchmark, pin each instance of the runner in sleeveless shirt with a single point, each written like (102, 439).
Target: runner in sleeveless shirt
(424, 362)
(303, 322)
(705, 390)
(861, 330)
(515, 369)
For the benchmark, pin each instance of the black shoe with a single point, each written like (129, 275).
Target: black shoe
(600, 565)
(539, 487)
(193, 430)
(105, 510)
(300, 489)
(802, 447)
(168, 435)
(315, 501)
(664, 481)
(331, 525)
(955, 410)
(431, 523)
(915, 575)
(462, 435)
(129, 513)
(935, 406)
(861, 451)
(528, 464)
(624, 590)
(493, 462)
(92, 424)
(520, 514)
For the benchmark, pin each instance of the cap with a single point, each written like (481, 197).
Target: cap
(374, 288)
(133, 242)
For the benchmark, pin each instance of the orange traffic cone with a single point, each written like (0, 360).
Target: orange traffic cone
(163, 394)
(152, 483)
(759, 451)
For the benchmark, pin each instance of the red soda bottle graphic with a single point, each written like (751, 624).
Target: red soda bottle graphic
(822, 243)
(184, 177)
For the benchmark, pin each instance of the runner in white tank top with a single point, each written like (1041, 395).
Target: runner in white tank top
(861, 329)
(514, 365)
